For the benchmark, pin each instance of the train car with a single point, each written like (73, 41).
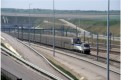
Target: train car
(62, 42)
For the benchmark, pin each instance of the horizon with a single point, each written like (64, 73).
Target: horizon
(99, 5)
(57, 9)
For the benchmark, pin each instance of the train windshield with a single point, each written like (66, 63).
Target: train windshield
(77, 41)
(86, 45)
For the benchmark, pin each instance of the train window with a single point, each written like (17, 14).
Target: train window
(77, 41)
(86, 45)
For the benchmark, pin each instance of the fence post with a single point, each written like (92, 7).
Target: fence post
(43, 31)
(9, 30)
(62, 31)
(66, 32)
(40, 35)
(113, 38)
(29, 37)
(18, 31)
(34, 35)
(22, 32)
(88, 40)
(51, 31)
(97, 47)
(76, 31)
(84, 36)
(92, 39)
(2, 29)
(110, 41)
(14, 32)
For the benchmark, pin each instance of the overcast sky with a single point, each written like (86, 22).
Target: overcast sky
(62, 4)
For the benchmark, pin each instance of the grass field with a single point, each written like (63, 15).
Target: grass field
(92, 23)
(98, 24)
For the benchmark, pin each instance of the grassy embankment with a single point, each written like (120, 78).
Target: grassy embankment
(65, 71)
(98, 24)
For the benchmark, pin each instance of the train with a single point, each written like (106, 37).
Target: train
(71, 43)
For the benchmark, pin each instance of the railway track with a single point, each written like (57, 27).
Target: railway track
(94, 57)
(101, 46)
(104, 50)
(92, 48)
(100, 50)
(91, 56)
(61, 52)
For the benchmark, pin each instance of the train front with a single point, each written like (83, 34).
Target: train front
(82, 47)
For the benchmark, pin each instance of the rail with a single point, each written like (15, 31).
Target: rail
(104, 50)
(91, 62)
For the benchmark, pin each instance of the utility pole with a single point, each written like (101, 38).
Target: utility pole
(97, 47)
(34, 35)
(29, 24)
(16, 20)
(76, 25)
(17, 26)
(18, 31)
(53, 28)
(76, 31)
(108, 61)
(84, 36)
(79, 23)
(110, 40)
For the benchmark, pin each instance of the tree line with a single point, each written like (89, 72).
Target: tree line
(49, 11)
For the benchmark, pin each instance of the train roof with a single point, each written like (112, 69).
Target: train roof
(62, 37)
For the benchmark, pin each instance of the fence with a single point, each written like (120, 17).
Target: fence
(96, 41)
(85, 37)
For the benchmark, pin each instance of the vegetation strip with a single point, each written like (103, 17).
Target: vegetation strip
(65, 71)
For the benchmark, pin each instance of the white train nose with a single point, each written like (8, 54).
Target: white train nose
(78, 47)
(82, 48)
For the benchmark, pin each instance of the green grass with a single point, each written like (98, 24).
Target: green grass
(91, 23)
(93, 40)
(65, 71)
(2, 44)
(98, 25)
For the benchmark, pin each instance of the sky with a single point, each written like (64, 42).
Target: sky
(62, 4)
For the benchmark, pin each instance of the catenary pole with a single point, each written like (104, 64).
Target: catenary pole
(53, 28)
(108, 68)
(29, 24)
